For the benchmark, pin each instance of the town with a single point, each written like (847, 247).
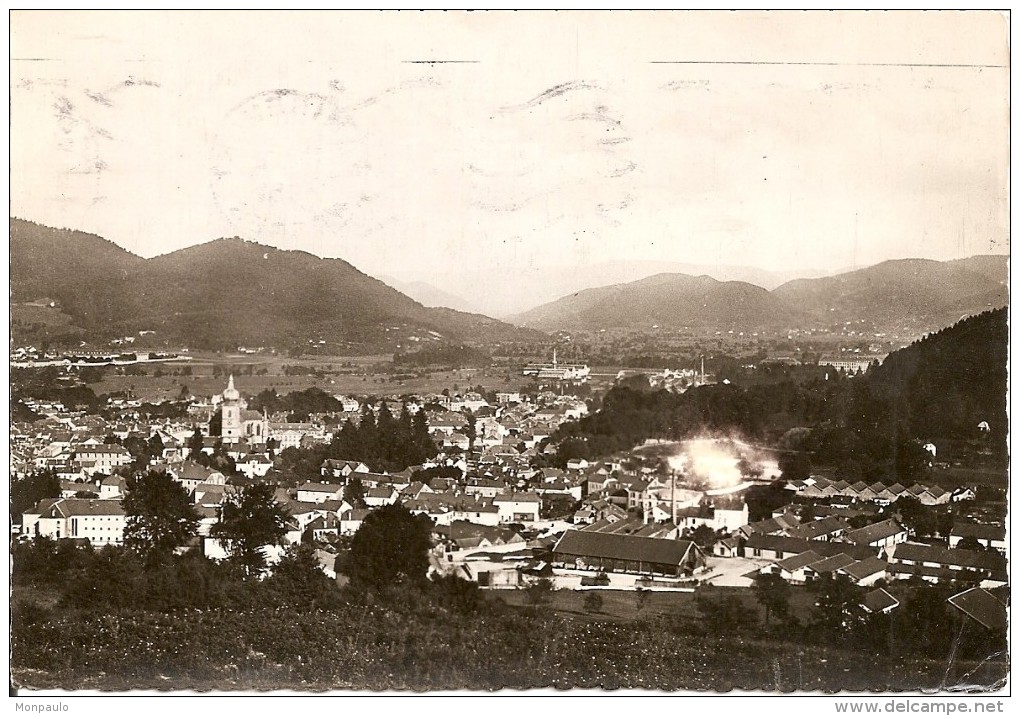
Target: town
(474, 351)
(668, 520)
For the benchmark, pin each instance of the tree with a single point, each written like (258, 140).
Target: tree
(795, 466)
(250, 521)
(195, 444)
(773, 593)
(837, 605)
(160, 517)
(354, 492)
(26, 492)
(641, 598)
(458, 595)
(918, 518)
(391, 547)
(971, 543)
(539, 591)
(724, 615)
(593, 602)
(300, 581)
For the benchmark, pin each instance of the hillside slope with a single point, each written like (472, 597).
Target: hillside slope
(223, 293)
(668, 300)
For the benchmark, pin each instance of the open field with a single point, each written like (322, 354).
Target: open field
(347, 375)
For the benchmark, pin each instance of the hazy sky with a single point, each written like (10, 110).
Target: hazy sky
(554, 138)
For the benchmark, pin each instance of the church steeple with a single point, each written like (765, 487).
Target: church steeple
(231, 392)
(230, 415)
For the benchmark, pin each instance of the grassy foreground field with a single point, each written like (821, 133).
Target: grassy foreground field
(374, 648)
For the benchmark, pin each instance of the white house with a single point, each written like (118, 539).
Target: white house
(319, 492)
(518, 506)
(254, 465)
(381, 496)
(105, 458)
(101, 522)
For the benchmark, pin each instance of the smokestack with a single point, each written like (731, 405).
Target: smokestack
(702, 370)
(672, 495)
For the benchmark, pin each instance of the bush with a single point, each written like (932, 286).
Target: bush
(593, 602)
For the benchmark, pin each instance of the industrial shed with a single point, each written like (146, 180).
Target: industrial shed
(607, 552)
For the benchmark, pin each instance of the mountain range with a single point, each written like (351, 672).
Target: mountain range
(233, 292)
(506, 291)
(913, 295)
(223, 293)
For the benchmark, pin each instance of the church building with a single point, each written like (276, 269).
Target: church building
(237, 423)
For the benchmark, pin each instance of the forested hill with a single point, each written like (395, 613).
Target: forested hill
(952, 380)
(220, 294)
(938, 389)
(905, 296)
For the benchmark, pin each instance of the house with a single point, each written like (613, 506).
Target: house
(879, 601)
(934, 564)
(112, 487)
(880, 536)
(381, 496)
(727, 547)
(983, 607)
(777, 547)
(254, 465)
(350, 521)
(991, 536)
(518, 506)
(106, 458)
(963, 493)
(598, 510)
(485, 487)
(290, 434)
(827, 566)
(602, 552)
(729, 512)
(794, 568)
(866, 572)
(461, 535)
(780, 524)
(636, 527)
(101, 522)
(191, 475)
(211, 493)
(70, 488)
(319, 492)
(827, 529)
(341, 468)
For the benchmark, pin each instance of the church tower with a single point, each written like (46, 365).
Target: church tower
(230, 416)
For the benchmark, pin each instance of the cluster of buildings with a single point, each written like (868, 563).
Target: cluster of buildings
(820, 487)
(496, 484)
(568, 372)
(492, 505)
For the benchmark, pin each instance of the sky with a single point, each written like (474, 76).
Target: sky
(407, 143)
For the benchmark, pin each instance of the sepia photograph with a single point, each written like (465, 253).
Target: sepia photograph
(510, 353)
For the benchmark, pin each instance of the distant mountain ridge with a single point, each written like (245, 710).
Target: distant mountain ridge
(223, 293)
(430, 296)
(667, 300)
(909, 294)
(506, 291)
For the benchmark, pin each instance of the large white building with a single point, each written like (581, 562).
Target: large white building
(101, 522)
